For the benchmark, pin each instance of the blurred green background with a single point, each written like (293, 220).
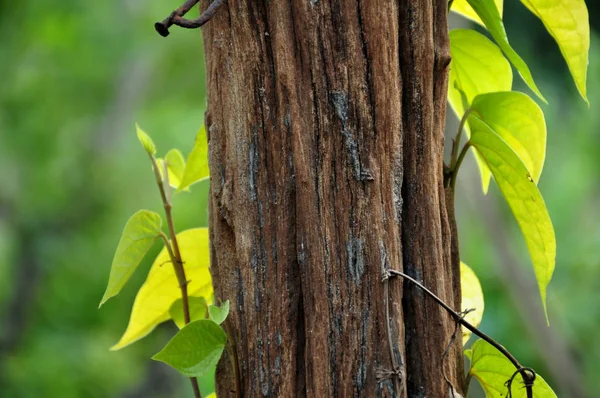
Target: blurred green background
(76, 76)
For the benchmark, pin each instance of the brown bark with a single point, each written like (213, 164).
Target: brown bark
(325, 123)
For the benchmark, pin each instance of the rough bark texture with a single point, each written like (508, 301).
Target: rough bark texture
(325, 123)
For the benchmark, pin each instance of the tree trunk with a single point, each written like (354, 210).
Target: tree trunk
(325, 123)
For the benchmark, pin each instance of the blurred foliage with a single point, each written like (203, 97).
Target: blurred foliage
(77, 75)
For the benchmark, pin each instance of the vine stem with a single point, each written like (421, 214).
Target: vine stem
(456, 143)
(397, 376)
(173, 249)
(456, 167)
(528, 378)
(451, 172)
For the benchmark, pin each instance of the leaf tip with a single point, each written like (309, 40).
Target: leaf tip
(105, 298)
(115, 347)
(545, 305)
(539, 94)
(145, 140)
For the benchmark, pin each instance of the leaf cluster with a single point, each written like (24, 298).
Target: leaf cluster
(197, 347)
(507, 131)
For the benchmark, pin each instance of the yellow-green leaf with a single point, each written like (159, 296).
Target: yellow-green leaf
(472, 299)
(523, 197)
(519, 121)
(161, 288)
(146, 141)
(140, 232)
(463, 8)
(492, 370)
(176, 166)
(196, 168)
(488, 12)
(160, 163)
(197, 307)
(568, 22)
(477, 67)
(194, 350)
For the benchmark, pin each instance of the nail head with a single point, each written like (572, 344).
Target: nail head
(162, 29)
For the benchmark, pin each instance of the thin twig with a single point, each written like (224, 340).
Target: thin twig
(445, 354)
(396, 373)
(456, 167)
(527, 373)
(456, 143)
(173, 249)
(451, 171)
(397, 377)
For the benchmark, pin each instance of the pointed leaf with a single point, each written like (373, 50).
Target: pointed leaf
(196, 349)
(146, 141)
(519, 121)
(487, 11)
(140, 232)
(568, 22)
(477, 67)
(524, 199)
(196, 168)
(197, 306)
(492, 370)
(463, 8)
(161, 288)
(472, 298)
(176, 167)
(219, 314)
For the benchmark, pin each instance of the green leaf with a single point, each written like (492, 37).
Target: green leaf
(140, 232)
(568, 22)
(196, 168)
(462, 7)
(176, 167)
(196, 349)
(519, 121)
(161, 288)
(219, 314)
(146, 141)
(492, 370)
(472, 298)
(523, 197)
(197, 307)
(487, 11)
(477, 67)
